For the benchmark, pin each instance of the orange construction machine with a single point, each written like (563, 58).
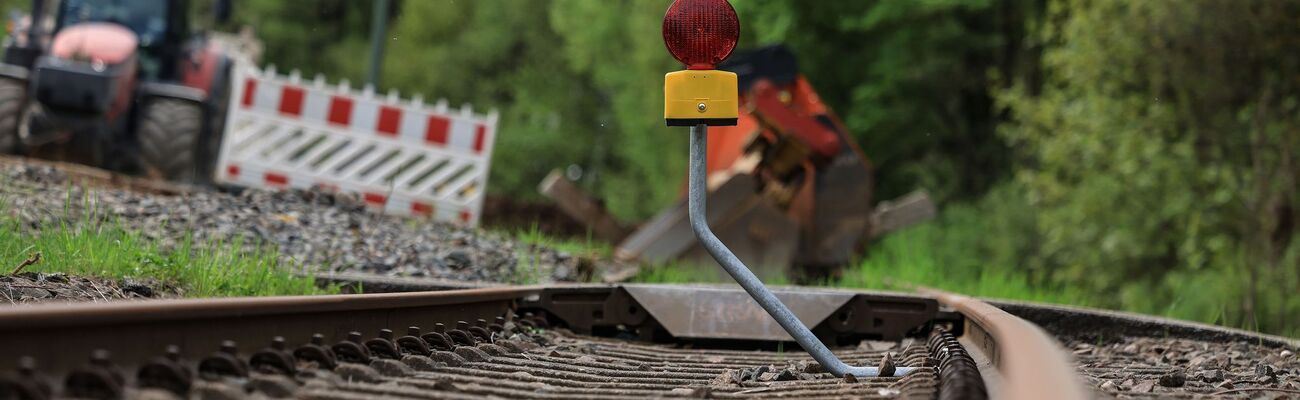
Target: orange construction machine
(790, 191)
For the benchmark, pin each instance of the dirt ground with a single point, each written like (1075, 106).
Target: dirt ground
(31, 287)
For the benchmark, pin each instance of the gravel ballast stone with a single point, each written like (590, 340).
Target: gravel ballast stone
(1146, 367)
(315, 230)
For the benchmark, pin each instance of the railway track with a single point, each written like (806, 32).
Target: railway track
(582, 341)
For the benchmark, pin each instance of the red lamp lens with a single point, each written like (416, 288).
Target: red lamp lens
(701, 33)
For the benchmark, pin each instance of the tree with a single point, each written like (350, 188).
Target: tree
(323, 37)
(1160, 154)
(619, 45)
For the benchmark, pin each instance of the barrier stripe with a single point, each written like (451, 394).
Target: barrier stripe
(250, 89)
(437, 130)
(340, 110)
(275, 179)
(479, 136)
(291, 101)
(421, 209)
(400, 156)
(375, 199)
(389, 117)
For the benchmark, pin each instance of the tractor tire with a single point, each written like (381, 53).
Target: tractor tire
(169, 132)
(13, 95)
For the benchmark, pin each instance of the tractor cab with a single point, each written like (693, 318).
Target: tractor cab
(161, 28)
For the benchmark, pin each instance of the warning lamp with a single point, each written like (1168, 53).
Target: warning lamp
(700, 34)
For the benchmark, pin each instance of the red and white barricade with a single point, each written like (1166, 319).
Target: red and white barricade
(402, 156)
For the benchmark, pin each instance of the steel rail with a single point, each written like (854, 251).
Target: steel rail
(696, 194)
(61, 336)
(1030, 363)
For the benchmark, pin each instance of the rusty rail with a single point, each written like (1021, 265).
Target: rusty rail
(60, 336)
(1030, 363)
(131, 335)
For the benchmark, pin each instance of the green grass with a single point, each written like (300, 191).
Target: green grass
(529, 269)
(673, 272)
(588, 247)
(907, 260)
(92, 246)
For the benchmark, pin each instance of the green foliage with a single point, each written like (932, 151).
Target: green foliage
(15, 5)
(321, 37)
(972, 249)
(619, 44)
(93, 247)
(1158, 155)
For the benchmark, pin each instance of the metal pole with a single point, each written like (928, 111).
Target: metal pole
(34, 30)
(738, 271)
(378, 30)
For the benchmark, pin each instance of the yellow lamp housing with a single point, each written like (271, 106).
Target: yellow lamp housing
(694, 97)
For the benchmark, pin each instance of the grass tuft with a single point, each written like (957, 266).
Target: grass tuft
(588, 247)
(100, 247)
(529, 269)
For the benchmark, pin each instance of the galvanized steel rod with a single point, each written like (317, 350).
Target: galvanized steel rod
(696, 193)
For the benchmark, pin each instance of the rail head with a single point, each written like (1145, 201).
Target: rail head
(1030, 363)
(60, 336)
(82, 314)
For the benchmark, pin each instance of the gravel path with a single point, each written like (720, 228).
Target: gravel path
(315, 230)
(1184, 368)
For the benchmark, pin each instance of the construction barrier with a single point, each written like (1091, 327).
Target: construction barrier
(402, 157)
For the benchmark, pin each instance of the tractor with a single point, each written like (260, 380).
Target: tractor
(118, 84)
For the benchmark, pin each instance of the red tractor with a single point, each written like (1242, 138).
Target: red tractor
(118, 84)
